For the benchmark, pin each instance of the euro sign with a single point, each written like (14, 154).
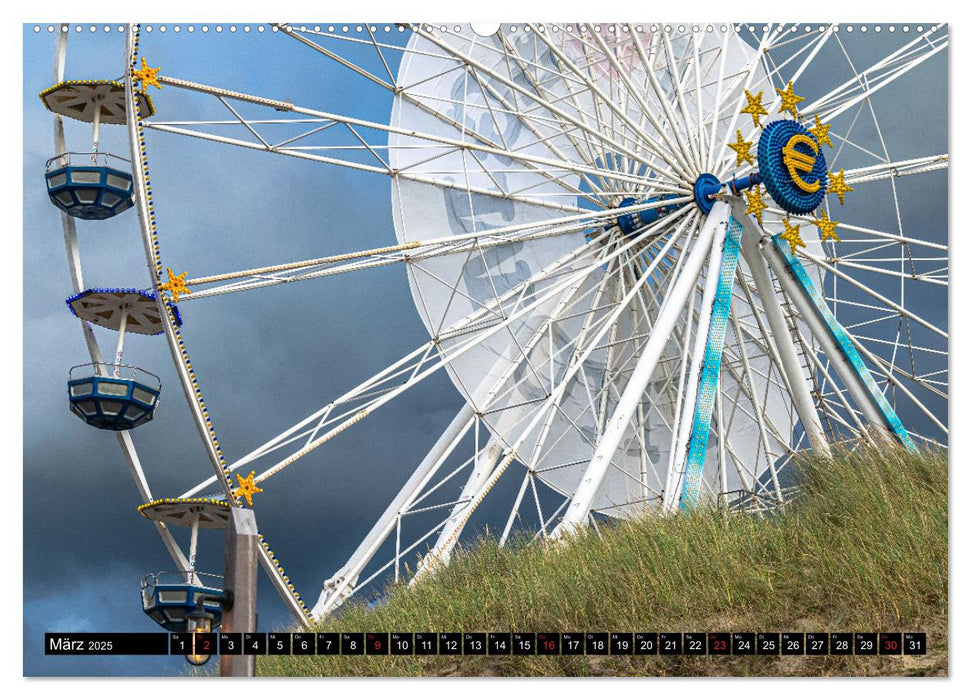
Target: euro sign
(796, 161)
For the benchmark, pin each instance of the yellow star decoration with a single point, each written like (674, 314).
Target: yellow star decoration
(176, 285)
(756, 205)
(791, 235)
(837, 184)
(148, 76)
(247, 488)
(827, 227)
(754, 107)
(789, 100)
(742, 149)
(821, 132)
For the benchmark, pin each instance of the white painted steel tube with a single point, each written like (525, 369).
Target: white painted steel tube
(579, 508)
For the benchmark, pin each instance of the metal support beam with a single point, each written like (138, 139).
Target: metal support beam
(686, 425)
(836, 343)
(239, 576)
(795, 376)
(711, 364)
(668, 316)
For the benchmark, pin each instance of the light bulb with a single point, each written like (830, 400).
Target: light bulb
(200, 622)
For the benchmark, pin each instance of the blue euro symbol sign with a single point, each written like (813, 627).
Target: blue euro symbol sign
(797, 161)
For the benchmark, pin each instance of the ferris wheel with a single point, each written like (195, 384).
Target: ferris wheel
(632, 246)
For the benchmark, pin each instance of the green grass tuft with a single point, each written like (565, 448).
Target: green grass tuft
(863, 549)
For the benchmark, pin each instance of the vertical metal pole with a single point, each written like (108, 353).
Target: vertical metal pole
(97, 132)
(193, 543)
(239, 576)
(122, 327)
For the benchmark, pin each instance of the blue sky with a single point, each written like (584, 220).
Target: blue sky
(265, 359)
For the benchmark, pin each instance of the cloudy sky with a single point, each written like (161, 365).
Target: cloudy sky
(264, 359)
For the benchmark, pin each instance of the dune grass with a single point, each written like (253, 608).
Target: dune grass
(864, 548)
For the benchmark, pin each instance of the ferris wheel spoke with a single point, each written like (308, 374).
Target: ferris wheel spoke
(716, 107)
(661, 96)
(544, 415)
(548, 177)
(501, 389)
(694, 152)
(749, 74)
(621, 303)
(433, 140)
(927, 279)
(381, 56)
(545, 175)
(671, 153)
(397, 376)
(444, 357)
(407, 94)
(405, 252)
(510, 84)
(879, 75)
(814, 44)
(580, 348)
(575, 75)
(875, 233)
(336, 591)
(886, 171)
(700, 77)
(534, 119)
(587, 149)
(836, 272)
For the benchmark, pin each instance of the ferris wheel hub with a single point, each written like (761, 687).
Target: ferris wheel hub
(705, 189)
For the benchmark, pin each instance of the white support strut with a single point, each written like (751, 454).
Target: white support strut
(579, 508)
(795, 376)
(672, 487)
